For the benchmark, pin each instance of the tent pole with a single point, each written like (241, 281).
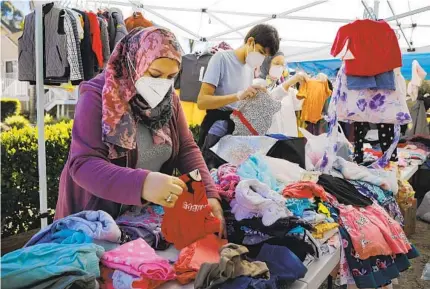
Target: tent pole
(238, 13)
(319, 19)
(268, 18)
(370, 13)
(281, 38)
(171, 22)
(376, 8)
(406, 14)
(223, 22)
(400, 27)
(40, 93)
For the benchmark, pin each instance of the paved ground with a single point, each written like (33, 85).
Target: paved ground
(411, 279)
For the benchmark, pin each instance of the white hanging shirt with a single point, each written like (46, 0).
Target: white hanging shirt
(418, 75)
(284, 121)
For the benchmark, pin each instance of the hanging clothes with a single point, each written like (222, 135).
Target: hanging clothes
(385, 135)
(380, 81)
(284, 121)
(104, 34)
(374, 106)
(420, 124)
(55, 46)
(96, 43)
(73, 48)
(190, 77)
(418, 75)
(88, 59)
(315, 93)
(373, 44)
(116, 27)
(137, 20)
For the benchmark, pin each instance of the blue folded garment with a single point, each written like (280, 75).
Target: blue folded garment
(43, 265)
(98, 225)
(70, 237)
(283, 264)
(284, 268)
(381, 81)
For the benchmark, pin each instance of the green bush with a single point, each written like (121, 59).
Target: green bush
(195, 129)
(424, 88)
(9, 107)
(49, 119)
(17, 121)
(19, 174)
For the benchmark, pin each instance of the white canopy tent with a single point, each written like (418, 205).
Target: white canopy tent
(301, 23)
(306, 28)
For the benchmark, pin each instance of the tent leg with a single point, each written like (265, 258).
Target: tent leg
(43, 198)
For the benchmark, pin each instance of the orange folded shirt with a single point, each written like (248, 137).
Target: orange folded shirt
(191, 258)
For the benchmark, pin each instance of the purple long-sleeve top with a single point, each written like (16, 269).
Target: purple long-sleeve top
(91, 181)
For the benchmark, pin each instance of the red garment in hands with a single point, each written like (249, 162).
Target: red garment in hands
(192, 257)
(191, 219)
(304, 190)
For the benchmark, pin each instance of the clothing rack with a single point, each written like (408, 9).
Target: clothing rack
(39, 82)
(40, 95)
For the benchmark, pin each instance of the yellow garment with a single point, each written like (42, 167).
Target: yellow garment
(323, 210)
(320, 229)
(300, 123)
(315, 93)
(405, 194)
(192, 113)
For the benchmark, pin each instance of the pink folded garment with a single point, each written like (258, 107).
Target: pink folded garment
(139, 259)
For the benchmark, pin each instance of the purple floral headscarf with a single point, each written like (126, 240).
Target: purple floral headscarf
(121, 109)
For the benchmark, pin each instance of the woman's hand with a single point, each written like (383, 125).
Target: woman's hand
(162, 189)
(219, 214)
(298, 78)
(250, 92)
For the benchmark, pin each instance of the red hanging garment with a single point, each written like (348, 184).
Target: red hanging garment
(191, 219)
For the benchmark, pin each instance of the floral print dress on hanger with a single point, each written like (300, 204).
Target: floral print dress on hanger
(374, 106)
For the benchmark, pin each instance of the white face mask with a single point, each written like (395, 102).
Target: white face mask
(153, 90)
(275, 71)
(254, 59)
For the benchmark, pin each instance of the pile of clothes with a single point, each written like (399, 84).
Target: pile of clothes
(279, 219)
(352, 208)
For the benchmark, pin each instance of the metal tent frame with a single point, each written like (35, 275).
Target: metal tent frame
(215, 37)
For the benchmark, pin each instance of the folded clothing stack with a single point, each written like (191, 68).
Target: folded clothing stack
(139, 259)
(192, 257)
(232, 264)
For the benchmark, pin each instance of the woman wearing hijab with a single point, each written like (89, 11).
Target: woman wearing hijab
(271, 76)
(130, 132)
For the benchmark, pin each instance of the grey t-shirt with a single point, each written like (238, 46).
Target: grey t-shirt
(229, 76)
(151, 157)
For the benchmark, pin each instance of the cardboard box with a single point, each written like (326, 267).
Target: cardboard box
(410, 216)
